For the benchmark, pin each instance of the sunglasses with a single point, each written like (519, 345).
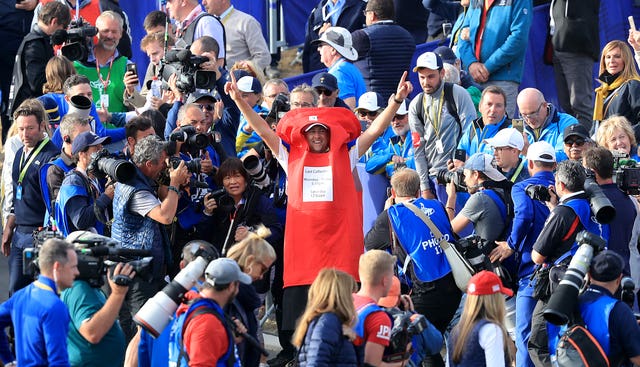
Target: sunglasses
(371, 114)
(207, 107)
(578, 142)
(326, 92)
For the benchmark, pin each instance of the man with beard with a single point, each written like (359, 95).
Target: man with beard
(399, 152)
(105, 67)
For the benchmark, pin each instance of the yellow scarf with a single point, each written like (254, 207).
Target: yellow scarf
(602, 92)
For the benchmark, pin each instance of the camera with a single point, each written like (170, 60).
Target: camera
(476, 250)
(445, 176)
(626, 173)
(405, 326)
(95, 254)
(156, 313)
(538, 192)
(105, 164)
(600, 204)
(279, 107)
(257, 171)
(77, 39)
(563, 299)
(193, 140)
(187, 67)
(193, 166)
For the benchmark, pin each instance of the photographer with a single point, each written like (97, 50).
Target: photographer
(610, 321)
(81, 196)
(139, 216)
(621, 230)
(487, 205)
(570, 214)
(96, 338)
(529, 218)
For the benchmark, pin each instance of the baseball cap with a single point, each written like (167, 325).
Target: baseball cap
(370, 101)
(87, 139)
(487, 283)
(404, 108)
(428, 60)
(325, 80)
(508, 137)
(576, 130)
(391, 299)
(340, 39)
(223, 271)
(484, 163)
(311, 126)
(197, 95)
(249, 84)
(446, 54)
(606, 266)
(238, 74)
(541, 151)
(51, 107)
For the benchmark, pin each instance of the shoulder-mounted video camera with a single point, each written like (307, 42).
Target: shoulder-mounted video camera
(187, 68)
(405, 326)
(77, 39)
(626, 173)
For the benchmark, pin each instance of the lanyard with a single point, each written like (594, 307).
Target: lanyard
(326, 16)
(32, 156)
(517, 172)
(226, 14)
(105, 83)
(435, 120)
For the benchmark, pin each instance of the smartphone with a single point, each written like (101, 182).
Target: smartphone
(132, 68)
(460, 154)
(518, 124)
(632, 24)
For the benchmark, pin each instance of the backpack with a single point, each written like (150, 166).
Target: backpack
(577, 347)
(449, 102)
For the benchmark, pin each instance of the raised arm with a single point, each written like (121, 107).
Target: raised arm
(258, 124)
(381, 123)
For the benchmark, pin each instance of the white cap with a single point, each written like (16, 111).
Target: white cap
(509, 137)
(429, 60)
(404, 108)
(370, 101)
(541, 151)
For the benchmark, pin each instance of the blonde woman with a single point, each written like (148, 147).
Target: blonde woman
(324, 330)
(481, 332)
(255, 256)
(616, 134)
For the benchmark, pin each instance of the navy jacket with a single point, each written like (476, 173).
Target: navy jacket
(324, 344)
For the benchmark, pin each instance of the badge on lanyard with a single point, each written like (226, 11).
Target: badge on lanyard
(19, 192)
(439, 146)
(104, 101)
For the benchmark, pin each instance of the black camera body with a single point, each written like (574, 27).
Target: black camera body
(538, 192)
(95, 253)
(191, 139)
(445, 176)
(279, 107)
(193, 166)
(626, 174)
(405, 326)
(476, 250)
(77, 40)
(105, 164)
(187, 67)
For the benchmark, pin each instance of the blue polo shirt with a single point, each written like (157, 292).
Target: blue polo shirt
(40, 322)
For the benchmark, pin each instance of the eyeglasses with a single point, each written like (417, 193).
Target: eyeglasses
(206, 107)
(399, 117)
(326, 92)
(371, 114)
(578, 142)
(301, 104)
(534, 114)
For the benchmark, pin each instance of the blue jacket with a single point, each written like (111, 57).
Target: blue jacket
(324, 344)
(504, 40)
(552, 131)
(529, 218)
(40, 327)
(472, 140)
(381, 159)
(80, 215)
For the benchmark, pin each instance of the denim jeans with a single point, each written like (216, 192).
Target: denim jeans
(19, 242)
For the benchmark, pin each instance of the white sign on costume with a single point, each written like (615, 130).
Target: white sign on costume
(317, 184)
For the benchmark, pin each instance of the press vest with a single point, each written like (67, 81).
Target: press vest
(428, 259)
(390, 52)
(596, 316)
(72, 187)
(321, 232)
(46, 195)
(583, 211)
(115, 88)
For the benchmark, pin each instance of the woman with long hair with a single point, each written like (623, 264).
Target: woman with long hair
(324, 330)
(481, 330)
(619, 92)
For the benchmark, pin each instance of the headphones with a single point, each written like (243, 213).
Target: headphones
(67, 139)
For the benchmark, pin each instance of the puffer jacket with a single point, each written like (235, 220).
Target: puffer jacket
(324, 344)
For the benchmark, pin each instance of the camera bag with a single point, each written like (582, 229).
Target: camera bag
(577, 347)
(460, 267)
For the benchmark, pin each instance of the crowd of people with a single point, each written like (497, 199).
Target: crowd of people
(201, 158)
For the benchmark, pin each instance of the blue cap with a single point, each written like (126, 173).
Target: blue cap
(224, 271)
(51, 106)
(484, 163)
(249, 84)
(325, 80)
(87, 139)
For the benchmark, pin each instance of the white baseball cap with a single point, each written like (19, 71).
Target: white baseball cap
(541, 151)
(509, 137)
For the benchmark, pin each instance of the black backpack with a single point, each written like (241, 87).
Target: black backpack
(449, 102)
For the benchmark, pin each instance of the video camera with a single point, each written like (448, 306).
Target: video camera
(105, 164)
(444, 176)
(77, 39)
(406, 325)
(279, 107)
(563, 300)
(187, 67)
(95, 254)
(626, 173)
